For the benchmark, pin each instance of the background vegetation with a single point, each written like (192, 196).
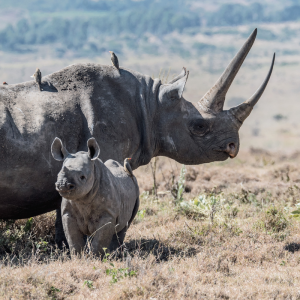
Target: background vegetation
(90, 27)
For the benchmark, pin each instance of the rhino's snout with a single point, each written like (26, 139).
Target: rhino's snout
(230, 148)
(64, 186)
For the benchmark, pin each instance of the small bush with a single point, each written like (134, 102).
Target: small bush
(246, 197)
(274, 220)
(119, 273)
(202, 207)
(89, 284)
(20, 237)
(178, 188)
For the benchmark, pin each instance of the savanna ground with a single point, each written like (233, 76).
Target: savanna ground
(226, 230)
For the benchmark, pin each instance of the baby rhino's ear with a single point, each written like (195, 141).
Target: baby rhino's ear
(59, 152)
(93, 149)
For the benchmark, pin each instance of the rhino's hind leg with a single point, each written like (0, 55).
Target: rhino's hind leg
(118, 238)
(60, 237)
(135, 211)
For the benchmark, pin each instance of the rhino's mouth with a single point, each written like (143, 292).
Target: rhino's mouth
(222, 151)
(64, 192)
(66, 195)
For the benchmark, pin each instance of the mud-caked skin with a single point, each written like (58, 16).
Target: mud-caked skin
(130, 114)
(99, 199)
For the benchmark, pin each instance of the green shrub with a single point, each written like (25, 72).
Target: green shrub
(118, 274)
(179, 186)
(89, 284)
(203, 207)
(274, 220)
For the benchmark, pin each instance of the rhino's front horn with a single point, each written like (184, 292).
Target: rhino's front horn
(242, 111)
(213, 100)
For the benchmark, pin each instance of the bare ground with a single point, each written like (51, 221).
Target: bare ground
(242, 243)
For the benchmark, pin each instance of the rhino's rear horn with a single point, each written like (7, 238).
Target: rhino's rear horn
(213, 100)
(181, 75)
(242, 111)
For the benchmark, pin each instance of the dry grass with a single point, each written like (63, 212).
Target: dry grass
(249, 251)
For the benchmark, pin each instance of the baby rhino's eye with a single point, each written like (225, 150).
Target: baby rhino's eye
(82, 177)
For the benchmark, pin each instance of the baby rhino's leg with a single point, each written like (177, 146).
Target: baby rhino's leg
(74, 236)
(118, 238)
(101, 238)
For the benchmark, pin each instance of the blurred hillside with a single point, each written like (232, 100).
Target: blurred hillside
(87, 28)
(150, 36)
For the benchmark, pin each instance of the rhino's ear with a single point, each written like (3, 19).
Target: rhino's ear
(59, 152)
(182, 74)
(170, 94)
(93, 149)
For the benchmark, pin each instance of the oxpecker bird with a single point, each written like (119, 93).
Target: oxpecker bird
(5, 83)
(114, 59)
(38, 77)
(127, 167)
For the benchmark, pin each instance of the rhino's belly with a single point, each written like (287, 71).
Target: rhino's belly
(14, 205)
(27, 169)
(26, 192)
(27, 179)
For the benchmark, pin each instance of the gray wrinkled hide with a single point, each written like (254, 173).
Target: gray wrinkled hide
(99, 200)
(130, 115)
(77, 102)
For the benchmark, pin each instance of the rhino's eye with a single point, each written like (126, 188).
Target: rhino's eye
(199, 127)
(82, 177)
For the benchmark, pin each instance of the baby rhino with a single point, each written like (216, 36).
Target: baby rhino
(98, 199)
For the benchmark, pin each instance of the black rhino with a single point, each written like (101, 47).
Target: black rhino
(130, 114)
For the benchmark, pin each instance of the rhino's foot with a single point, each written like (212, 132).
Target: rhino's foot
(60, 238)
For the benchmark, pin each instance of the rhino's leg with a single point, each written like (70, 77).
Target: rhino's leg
(118, 238)
(74, 236)
(102, 237)
(60, 237)
(135, 210)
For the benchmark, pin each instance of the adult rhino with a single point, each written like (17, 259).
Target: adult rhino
(130, 114)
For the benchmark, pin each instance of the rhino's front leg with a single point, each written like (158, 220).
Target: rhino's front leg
(102, 237)
(60, 237)
(74, 236)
